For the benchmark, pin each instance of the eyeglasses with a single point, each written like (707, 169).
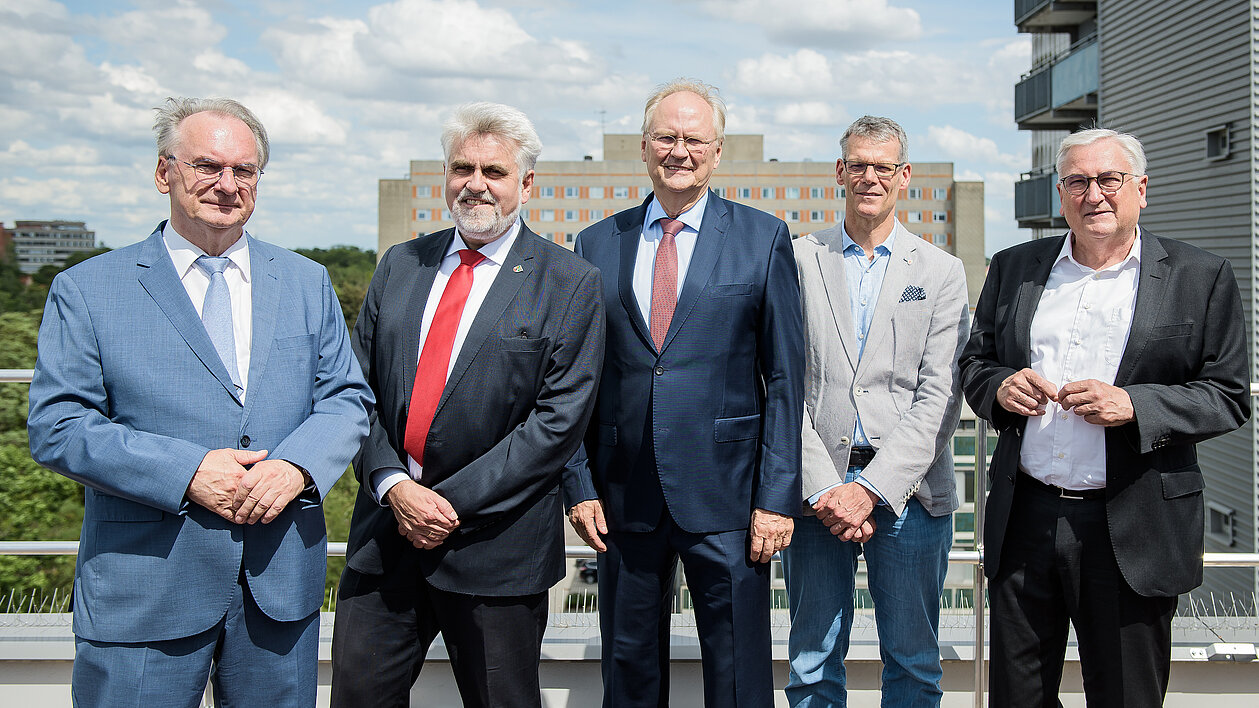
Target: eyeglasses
(666, 143)
(882, 170)
(245, 175)
(1109, 182)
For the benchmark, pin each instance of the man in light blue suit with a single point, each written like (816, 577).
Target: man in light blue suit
(200, 385)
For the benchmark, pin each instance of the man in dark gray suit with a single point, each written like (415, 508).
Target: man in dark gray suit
(458, 527)
(1102, 357)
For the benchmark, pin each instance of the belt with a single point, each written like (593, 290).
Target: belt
(1032, 483)
(860, 456)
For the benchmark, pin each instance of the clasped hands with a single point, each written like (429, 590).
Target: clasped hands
(424, 517)
(245, 495)
(769, 531)
(846, 509)
(1026, 392)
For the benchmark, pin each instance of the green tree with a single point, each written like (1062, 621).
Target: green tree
(351, 271)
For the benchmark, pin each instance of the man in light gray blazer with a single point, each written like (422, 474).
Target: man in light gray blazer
(885, 316)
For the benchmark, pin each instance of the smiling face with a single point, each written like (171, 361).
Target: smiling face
(484, 189)
(209, 212)
(871, 200)
(678, 176)
(1096, 217)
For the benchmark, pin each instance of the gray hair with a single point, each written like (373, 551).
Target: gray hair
(503, 122)
(169, 116)
(683, 85)
(878, 129)
(1126, 141)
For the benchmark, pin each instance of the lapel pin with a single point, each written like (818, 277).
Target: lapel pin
(518, 269)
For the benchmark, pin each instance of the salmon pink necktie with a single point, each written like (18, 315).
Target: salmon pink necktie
(664, 281)
(430, 374)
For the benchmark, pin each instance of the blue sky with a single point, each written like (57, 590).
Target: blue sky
(350, 91)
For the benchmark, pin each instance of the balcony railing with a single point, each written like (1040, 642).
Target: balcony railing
(1036, 202)
(1062, 95)
(973, 558)
(1052, 15)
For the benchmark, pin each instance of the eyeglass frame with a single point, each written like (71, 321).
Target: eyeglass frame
(196, 167)
(1123, 179)
(698, 147)
(896, 166)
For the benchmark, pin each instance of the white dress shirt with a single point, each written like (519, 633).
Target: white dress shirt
(1079, 332)
(649, 241)
(483, 275)
(184, 255)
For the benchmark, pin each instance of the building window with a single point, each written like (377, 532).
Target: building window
(596, 214)
(596, 192)
(843, 192)
(791, 215)
(1220, 524)
(745, 192)
(817, 215)
(940, 217)
(1217, 143)
(546, 192)
(569, 238)
(767, 192)
(914, 193)
(570, 215)
(793, 193)
(940, 240)
(939, 193)
(446, 215)
(915, 217)
(572, 192)
(720, 191)
(620, 192)
(817, 193)
(546, 215)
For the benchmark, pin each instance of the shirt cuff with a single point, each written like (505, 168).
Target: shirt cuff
(813, 499)
(383, 480)
(868, 485)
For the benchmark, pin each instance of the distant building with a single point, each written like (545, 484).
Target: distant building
(40, 243)
(1125, 65)
(5, 239)
(569, 195)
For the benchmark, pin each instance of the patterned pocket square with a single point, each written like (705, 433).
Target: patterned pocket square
(913, 293)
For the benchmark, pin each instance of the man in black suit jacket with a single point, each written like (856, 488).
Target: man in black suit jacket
(458, 526)
(1102, 357)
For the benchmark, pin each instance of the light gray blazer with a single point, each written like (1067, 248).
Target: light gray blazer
(905, 385)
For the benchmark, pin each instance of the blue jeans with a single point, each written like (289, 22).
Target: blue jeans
(906, 562)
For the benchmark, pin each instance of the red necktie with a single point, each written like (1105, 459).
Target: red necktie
(664, 281)
(430, 373)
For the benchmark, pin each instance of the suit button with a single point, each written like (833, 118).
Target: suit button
(659, 371)
(844, 440)
(244, 441)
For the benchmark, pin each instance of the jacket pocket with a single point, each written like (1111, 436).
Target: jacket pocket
(1182, 483)
(607, 435)
(301, 340)
(1183, 329)
(741, 428)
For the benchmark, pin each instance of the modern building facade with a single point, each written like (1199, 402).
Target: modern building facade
(40, 243)
(1182, 76)
(570, 195)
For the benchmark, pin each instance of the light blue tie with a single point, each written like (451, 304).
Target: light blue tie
(216, 313)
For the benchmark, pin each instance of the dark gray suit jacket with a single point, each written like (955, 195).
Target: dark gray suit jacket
(1185, 368)
(513, 412)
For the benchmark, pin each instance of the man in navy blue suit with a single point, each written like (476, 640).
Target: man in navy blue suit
(694, 448)
(200, 384)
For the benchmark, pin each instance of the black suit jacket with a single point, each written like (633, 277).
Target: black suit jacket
(513, 411)
(1185, 369)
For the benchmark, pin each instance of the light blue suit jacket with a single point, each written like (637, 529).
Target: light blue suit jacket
(129, 395)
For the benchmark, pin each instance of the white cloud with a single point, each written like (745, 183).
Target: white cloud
(291, 118)
(809, 113)
(805, 73)
(21, 153)
(958, 145)
(825, 23)
(27, 192)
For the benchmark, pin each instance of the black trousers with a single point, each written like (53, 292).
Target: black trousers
(385, 625)
(1058, 568)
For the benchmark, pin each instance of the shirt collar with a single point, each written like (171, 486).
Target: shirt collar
(692, 217)
(495, 251)
(1133, 258)
(184, 253)
(883, 249)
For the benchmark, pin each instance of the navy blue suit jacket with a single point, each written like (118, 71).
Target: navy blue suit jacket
(720, 405)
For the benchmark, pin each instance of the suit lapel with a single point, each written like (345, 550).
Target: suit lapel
(266, 303)
(629, 224)
(1151, 289)
(517, 268)
(709, 245)
(835, 281)
(899, 267)
(159, 279)
(428, 252)
(1029, 298)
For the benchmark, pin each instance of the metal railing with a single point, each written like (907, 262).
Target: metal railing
(973, 558)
